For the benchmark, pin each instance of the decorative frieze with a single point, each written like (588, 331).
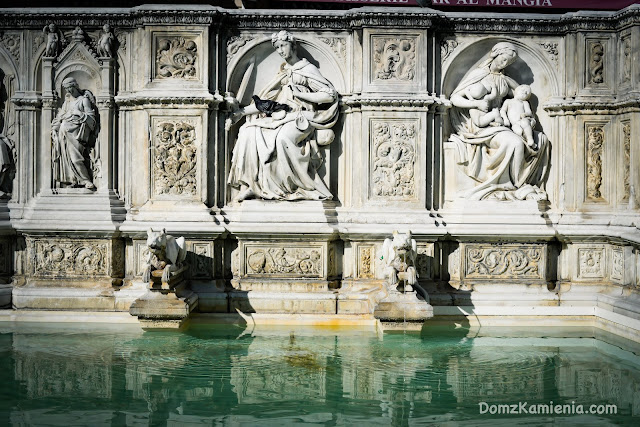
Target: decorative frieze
(366, 262)
(626, 160)
(76, 258)
(591, 262)
(394, 58)
(503, 261)
(175, 155)
(284, 261)
(393, 158)
(595, 141)
(176, 58)
(595, 65)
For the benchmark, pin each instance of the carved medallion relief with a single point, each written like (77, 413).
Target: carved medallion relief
(394, 58)
(176, 58)
(393, 158)
(175, 155)
(595, 141)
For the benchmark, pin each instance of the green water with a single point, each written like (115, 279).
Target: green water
(232, 375)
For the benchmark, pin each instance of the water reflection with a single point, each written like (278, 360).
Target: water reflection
(227, 375)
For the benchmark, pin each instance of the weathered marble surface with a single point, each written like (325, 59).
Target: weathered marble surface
(428, 132)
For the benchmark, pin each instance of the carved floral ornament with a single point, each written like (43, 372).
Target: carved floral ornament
(176, 58)
(71, 258)
(285, 261)
(175, 158)
(393, 159)
(595, 141)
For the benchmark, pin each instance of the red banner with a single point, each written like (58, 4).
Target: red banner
(524, 4)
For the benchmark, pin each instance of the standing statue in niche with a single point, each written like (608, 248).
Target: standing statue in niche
(277, 153)
(7, 129)
(495, 137)
(73, 134)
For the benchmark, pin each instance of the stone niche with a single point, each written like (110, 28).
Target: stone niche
(293, 275)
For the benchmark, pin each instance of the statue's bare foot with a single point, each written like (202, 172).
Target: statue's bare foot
(89, 185)
(245, 194)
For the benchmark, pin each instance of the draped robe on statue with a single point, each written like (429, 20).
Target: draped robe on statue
(279, 158)
(495, 156)
(72, 131)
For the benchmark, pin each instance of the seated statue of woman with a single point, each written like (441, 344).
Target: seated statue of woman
(505, 165)
(277, 154)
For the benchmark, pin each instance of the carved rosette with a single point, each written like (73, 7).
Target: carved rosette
(591, 263)
(366, 259)
(175, 155)
(394, 58)
(626, 160)
(393, 158)
(512, 261)
(76, 258)
(595, 141)
(595, 65)
(12, 43)
(176, 58)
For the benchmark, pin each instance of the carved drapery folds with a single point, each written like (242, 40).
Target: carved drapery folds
(595, 64)
(393, 159)
(176, 58)
(394, 58)
(595, 140)
(175, 158)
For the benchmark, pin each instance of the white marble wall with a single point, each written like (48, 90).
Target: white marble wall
(166, 156)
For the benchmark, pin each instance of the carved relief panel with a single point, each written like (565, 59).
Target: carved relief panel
(626, 59)
(594, 152)
(393, 159)
(393, 62)
(366, 261)
(76, 258)
(591, 263)
(626, 160)
(178, 57)
(175, 157)
(598, 69)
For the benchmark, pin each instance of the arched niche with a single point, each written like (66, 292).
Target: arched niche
(78, 62)
(268, 62)
(532, 67)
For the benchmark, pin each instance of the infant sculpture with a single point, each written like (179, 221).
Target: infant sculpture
(399, 255)
(166, 253)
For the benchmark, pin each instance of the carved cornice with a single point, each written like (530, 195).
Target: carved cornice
(144, 101)
(313, 19)
(27, 102)
(572, 107)
(432, 103)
